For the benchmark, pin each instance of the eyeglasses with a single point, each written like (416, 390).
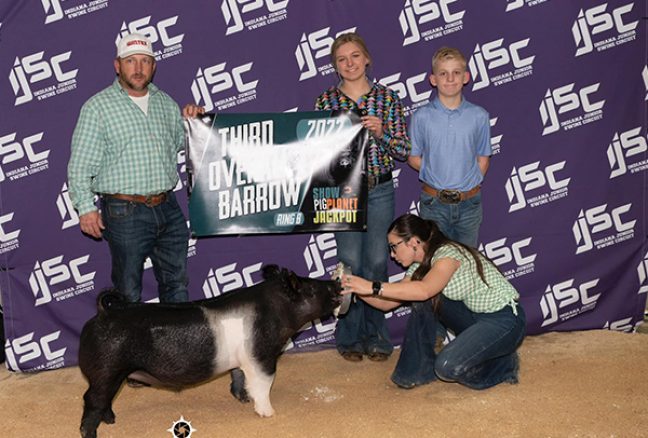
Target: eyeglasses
(392, 246)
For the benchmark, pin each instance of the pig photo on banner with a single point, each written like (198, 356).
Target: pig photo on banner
(277, 173)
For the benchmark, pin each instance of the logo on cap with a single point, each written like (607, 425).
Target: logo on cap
(133, 44)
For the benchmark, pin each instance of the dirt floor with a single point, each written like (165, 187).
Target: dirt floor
(579, 384)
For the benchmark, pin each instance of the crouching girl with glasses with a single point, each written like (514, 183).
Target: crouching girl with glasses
(452, 283)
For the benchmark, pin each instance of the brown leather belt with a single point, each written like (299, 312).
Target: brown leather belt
(148, 200)
(451, 196)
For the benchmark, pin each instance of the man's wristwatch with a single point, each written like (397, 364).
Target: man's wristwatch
(376, 288)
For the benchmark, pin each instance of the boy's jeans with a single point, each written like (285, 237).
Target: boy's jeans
(458, 222)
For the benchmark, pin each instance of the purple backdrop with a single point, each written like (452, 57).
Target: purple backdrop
(565, 83)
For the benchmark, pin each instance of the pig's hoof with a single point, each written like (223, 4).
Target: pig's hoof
(265, 411)
(86, 433)
(239, 392)
(241, 396)
(108, 416)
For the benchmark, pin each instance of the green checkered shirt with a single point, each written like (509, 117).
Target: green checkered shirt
(116, 148)
(466, 285)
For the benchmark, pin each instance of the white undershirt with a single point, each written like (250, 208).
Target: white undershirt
(142, 102)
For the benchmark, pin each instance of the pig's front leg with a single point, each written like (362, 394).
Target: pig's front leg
(258, 384)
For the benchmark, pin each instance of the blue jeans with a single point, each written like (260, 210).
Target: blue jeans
(458, 222)
(134, 232)
(363, 328)
(482, 355)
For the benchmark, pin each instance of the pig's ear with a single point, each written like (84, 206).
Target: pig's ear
(271, 271)
(294, 281)
(293, 285)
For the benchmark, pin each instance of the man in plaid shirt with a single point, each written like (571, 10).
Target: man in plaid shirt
(124, 149)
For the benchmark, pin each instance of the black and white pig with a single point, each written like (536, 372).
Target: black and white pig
(183, 344)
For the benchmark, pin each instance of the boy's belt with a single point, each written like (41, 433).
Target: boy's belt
(451, 196)
(148, 200)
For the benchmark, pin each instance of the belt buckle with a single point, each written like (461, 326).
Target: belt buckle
(153, 200)
(450, 196)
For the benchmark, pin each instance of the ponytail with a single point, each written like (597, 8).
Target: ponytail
(411, 226)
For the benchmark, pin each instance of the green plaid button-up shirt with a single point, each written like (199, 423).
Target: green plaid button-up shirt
(466, 285)
(116, 148)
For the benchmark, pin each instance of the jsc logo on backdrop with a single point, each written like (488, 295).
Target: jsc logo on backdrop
(498, 64)
(496, 140)
(415, 207)
(320, 248)
(578, 103)
(314, 333)
(311, 48)
(228, 278)
(68, 214)
(233, 89)
(414, 91)
(626, 151)
(607, 224)
(66, 211)
(446, 18)
(161, 32)
(514, 259)
(65, 276)
(602, 29)
(191, 245)
(73, 9)
(396, 177)
(25, 348)
(642, 273)
(182, 171)
(266, 12)
(565, 300)
(623, 325)
(20, 159)
(8, 233)
(530, 177)
(512, 5)
(36, 70)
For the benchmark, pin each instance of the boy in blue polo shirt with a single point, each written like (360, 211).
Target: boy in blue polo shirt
(451, 150)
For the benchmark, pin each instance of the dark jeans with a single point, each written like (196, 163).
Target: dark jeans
(363, 328)
(482, 355)
(134, 232)
(458, 222)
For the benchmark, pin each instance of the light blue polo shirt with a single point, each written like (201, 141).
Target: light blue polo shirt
(449, 142)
